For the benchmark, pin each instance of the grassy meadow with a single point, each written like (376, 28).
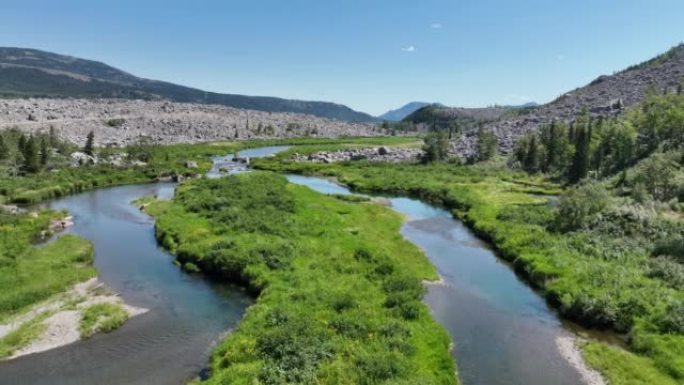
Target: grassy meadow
(602, 277)
(339, 289)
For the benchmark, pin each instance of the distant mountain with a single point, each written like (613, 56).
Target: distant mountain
(402, 112)
(34, 73)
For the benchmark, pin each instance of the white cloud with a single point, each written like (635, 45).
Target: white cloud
(409, 48)
(436, 25)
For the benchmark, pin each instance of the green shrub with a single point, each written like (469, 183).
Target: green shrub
(101, 318)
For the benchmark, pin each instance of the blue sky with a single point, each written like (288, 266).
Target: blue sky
(370, 55)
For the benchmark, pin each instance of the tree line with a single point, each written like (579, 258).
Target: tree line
(24, 154)
(601, 147)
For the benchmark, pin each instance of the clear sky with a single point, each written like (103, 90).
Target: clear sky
(370, 55)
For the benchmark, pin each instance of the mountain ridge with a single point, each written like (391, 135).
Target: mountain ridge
(27, 72)
(407, 109)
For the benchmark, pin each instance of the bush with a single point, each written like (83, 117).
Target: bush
(578, 204)
(102, 318)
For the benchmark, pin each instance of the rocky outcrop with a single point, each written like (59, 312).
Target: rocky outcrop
(118, 122)
(380, 154)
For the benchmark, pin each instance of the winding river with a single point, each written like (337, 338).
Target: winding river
(504, 332)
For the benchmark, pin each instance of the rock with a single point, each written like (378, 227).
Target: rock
(11, 209)
(164, 122)
(81, 159)
(383, 150)
(388, 155)
(190, 164)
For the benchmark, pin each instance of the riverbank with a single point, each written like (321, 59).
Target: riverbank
(339, 289)
(61, 320)
(161, 163)
(48, 288)
(504, 208)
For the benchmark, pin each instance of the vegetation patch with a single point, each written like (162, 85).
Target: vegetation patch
(603, 260)
(334, 306)
(22, 336)
(31, 274)
(101, 318)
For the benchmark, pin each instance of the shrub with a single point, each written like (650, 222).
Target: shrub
(579, 203)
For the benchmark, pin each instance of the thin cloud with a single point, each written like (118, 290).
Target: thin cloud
(409, 48)
(436, 25)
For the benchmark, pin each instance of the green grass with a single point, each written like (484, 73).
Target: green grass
(339, 289)
(23, 335)
(31, 274)
(621, 367)
(101, 318)
(598, 277)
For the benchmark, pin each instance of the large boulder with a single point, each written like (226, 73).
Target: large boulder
(81, 159)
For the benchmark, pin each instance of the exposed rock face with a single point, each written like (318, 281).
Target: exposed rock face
(118, 122)
(381, 154)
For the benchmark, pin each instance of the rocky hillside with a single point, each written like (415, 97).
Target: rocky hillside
(33, 73)
(607, 95)
(118, 122)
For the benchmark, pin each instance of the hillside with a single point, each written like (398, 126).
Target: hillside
(120, 122)
(405, 110)
(607, 95)
(34, 73)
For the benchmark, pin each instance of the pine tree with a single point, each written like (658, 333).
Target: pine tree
(44, 152)
(90, 144)
(4, 150)
(580, 161)
(21, 143)
(31, 156)
(531, 160)
(486, 144)
(54, 141)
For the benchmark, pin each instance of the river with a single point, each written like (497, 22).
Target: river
(504, 332)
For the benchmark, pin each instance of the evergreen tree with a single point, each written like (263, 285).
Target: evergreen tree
(44, 152)
(4, 150)
(436, 146)
(90, 144)
(486, 144)
(580, 161)
(31, 156)
(53, 139)
(531, 161)
(21, 143)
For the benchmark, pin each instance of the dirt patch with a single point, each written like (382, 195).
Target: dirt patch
(569, 349)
